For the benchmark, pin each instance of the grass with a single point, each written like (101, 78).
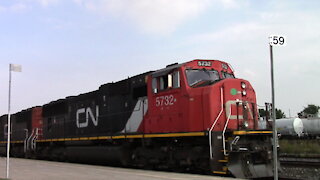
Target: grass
(301, 147)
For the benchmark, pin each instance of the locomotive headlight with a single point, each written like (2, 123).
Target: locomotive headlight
(243, 85)
(244, 93)
(245, 124)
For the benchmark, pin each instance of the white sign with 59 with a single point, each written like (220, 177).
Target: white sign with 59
(277, 40)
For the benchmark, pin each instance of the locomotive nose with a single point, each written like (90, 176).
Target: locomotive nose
(239, 89)
(240, 104)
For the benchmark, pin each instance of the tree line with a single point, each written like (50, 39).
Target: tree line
(308, 112)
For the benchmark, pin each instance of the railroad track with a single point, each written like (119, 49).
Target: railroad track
(300, 168)
(300, 161)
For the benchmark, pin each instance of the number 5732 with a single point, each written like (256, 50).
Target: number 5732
(165, 100)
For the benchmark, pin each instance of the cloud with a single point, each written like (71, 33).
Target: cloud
(16, 8)
(229, 4)
(19, 7)
(57, 23)
(2, 9)
(236, 32)
(156, 16)
(25, 5)
(249, 73)
(46, 3)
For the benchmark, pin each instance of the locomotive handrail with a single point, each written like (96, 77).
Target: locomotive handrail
(224, 131)
(25, 142)
(214, 123)
(29, 138)
(234, 142)
(33, 142)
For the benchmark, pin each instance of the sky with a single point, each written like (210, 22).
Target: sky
(68, 47)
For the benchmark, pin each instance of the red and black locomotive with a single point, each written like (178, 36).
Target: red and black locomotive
(195, 115)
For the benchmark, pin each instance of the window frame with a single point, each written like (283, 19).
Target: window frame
(216, 71)
(224, 77)
(169, 81)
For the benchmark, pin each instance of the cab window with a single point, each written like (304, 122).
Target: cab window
(201, 77)
(165, 82)
(176, 79)
(226, 75)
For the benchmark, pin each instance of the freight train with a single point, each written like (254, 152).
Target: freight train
(299, 127)
(195, 115)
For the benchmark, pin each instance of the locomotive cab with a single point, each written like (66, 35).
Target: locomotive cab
(189, 97)
(204, 96)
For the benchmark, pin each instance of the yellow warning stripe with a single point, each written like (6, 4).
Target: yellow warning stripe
(104, 137)
(219, 172)
(117, 137)
(135, 136)
(251, 132)
(92, 138)
(175, 134)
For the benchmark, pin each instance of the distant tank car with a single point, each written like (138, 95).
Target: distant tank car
(290, 126)
(311, 127)
(195, 115)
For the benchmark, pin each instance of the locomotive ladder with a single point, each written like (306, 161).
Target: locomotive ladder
(223, 160)
(223, 133)
(214, 123)
(224, 129)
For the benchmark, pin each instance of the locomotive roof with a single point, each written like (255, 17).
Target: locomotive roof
(164, 71)
(132, 77)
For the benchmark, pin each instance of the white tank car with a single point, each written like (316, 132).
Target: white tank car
(290, 126)
(311, 126)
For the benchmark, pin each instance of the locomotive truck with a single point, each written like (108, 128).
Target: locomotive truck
(190, 116)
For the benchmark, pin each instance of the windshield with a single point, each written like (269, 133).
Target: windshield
(226, 75)
(201, 77)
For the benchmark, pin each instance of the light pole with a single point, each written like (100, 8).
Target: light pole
(274, 40)
(274, 130)
(14, 68)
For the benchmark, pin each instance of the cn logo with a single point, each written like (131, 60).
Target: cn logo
(88, 112)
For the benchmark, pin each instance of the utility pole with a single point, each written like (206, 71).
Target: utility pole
(274, 40)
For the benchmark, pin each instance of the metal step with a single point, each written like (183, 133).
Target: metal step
(226, 158)
(223, 171)
(219, 172)
(223, 160)
(223, 151)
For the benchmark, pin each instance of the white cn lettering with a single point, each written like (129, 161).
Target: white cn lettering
(88, 113)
